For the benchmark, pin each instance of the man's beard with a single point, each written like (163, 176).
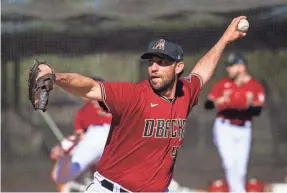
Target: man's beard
(164, 87)
(235, 76)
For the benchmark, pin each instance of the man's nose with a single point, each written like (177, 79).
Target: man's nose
(154, 66)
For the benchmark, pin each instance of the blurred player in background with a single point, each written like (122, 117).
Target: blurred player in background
(237, 99)
(83, 149)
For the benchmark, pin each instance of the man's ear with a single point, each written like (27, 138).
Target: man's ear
(179, 67)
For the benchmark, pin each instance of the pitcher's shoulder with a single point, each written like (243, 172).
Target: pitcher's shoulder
(192, 79)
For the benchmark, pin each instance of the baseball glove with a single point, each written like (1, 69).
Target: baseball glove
(39, 87)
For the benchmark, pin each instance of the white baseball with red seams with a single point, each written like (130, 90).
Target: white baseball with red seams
(243, 25)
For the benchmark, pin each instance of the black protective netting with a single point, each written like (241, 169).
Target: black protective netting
(112, 52)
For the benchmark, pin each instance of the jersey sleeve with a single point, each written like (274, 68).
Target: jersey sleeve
(195, 85)
(216, 91)
(259, 95)
(118, 97)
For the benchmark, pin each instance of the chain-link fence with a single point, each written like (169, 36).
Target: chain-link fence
(108, 43)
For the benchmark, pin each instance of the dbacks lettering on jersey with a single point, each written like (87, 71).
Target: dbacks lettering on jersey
(164, 128)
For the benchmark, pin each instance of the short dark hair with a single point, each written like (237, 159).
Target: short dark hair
(236, 58)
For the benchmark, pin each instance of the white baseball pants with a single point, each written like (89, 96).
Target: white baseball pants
(96, 186)
(233, 143)
(91, 147)
(87, 152)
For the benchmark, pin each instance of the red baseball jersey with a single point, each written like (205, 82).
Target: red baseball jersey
(238, 99)
(147, 131)
(90, 114)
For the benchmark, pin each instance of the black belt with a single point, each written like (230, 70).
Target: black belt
(110, 186)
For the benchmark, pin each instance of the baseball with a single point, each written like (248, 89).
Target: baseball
(243, 25)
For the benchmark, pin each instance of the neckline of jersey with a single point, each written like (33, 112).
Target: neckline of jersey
(171, 101)
(245, 83)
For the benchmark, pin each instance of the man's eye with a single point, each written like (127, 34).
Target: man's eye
(159, 62)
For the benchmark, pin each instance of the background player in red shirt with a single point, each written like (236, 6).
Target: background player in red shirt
(91, 114)
(237, 99)
(85, 147)
(148, 117)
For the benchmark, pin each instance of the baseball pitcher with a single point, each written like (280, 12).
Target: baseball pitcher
(85, 148)
(237, 99)
(148, 117)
